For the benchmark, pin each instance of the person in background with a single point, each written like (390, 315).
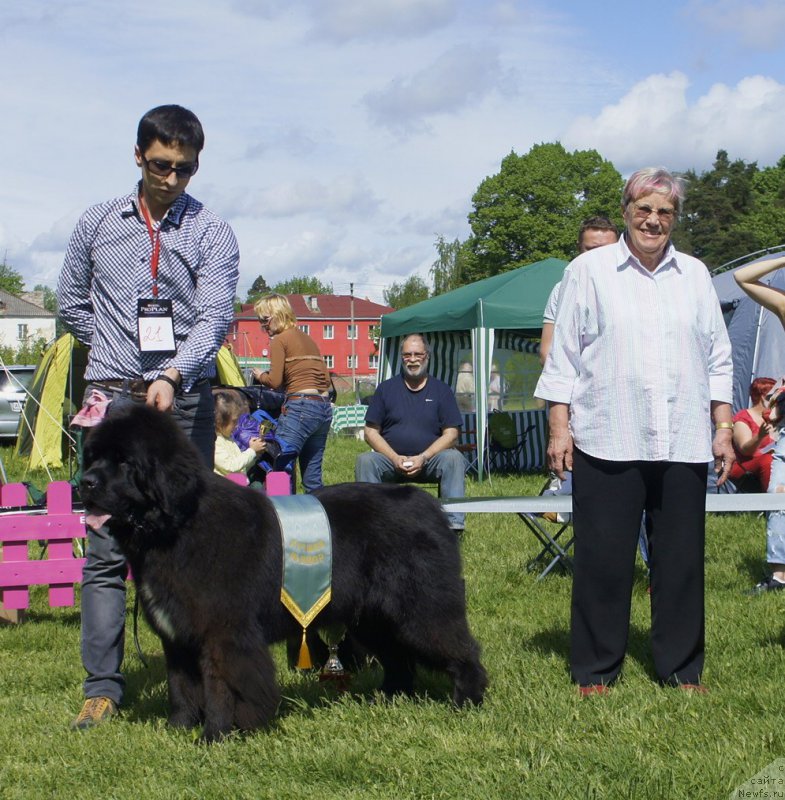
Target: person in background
(749, 278)
(464, 387)
(412, 426)
(752, 437)
(148, 284)
(640, 367)
(229, 458)
(594, 232)
(495, 389)
(298, 369)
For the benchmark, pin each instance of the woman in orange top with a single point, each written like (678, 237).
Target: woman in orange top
(298, 369)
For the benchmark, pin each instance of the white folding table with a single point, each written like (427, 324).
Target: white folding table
(556, 546)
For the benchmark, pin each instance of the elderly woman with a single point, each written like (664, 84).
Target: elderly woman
(297, 368)
(640, 363)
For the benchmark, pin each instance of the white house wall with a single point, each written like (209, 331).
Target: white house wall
(37, 328)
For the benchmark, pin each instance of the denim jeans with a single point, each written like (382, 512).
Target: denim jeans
(775, 520)
(448, 468)
(304, 424)
(103, 579)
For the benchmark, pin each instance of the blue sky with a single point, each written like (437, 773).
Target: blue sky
(343, 136)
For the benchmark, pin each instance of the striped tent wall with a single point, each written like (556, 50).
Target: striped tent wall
(512, 340)
(446, 347)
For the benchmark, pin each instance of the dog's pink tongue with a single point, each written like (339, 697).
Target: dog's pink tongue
(95, 521)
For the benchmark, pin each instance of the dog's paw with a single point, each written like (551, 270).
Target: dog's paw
(212, 734)
(183, 719)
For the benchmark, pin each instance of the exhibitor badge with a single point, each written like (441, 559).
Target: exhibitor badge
(155, 325)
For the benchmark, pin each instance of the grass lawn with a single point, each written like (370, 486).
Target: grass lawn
(533, 737)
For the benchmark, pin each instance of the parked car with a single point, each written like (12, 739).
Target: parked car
(14, 381)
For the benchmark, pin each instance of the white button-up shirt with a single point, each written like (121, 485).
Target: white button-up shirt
(638, 356)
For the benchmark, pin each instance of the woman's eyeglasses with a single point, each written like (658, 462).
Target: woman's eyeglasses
(642, 211)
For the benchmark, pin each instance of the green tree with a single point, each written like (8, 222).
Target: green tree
(50, 304)
(767, 219)
(10, 280)
(50, 297)
(411, 291)
(447, 272)
(533, 207)
(716, 220)
(302, 284)
(258, 288)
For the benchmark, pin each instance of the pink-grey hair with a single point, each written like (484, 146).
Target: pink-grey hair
(654, 179)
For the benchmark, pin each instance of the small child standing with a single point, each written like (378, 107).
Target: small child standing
(228, 456)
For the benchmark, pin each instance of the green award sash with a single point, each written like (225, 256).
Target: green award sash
(307, 560)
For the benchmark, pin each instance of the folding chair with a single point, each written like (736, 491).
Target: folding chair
(555, 546)
(467, 446)
(505, 447)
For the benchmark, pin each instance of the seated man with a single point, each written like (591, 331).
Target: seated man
(412, 427)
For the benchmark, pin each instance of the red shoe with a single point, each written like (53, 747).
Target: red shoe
(594, 688)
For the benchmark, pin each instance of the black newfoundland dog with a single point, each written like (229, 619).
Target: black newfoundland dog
(206, 557)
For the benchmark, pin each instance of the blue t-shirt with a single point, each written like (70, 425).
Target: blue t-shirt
(411, 421)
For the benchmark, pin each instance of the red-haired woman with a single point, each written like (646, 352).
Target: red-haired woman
(751, 278)
(751, 437)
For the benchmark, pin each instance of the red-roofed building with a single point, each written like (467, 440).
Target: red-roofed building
(345, 328)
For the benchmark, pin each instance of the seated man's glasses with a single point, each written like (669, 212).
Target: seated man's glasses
(413, 356)
(163, 169)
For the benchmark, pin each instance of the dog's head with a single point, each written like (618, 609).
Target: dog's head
(141, 474)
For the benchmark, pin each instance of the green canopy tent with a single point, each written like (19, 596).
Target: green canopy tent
(55, 393)
(504, 311)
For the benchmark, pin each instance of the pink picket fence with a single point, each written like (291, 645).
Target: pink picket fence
(55, 529)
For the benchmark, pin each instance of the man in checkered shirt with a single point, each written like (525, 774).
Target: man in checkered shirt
(148, 284)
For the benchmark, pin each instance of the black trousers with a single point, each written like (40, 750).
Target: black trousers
(609, 498)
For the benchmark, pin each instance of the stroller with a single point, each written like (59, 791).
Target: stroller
(278, 455)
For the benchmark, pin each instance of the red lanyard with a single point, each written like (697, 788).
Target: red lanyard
(155, 241)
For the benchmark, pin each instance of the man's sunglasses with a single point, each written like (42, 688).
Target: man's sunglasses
(163, 169)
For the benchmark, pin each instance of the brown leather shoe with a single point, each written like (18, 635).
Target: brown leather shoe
(695, 688)
(94, 711)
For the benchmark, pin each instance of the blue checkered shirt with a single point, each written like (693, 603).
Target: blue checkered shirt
(107, 269)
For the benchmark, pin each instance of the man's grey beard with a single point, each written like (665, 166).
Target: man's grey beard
(421, 369)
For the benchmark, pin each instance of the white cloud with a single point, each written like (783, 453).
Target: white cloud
(655, 124)
(306, 253)
(459, 77)
(292, 140)
(445, 222)
(266, 9)
(342, 20)
(330, 256)
(759, 25)
(346, 198)
(309, 107)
